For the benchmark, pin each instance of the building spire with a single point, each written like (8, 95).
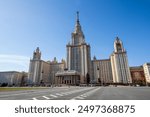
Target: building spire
(77, 16)
(77, 35)
(78, 26)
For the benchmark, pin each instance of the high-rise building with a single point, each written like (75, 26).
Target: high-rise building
(78, 53)
(43, 72)
(119, 63)
(38, 70)
(78, 67)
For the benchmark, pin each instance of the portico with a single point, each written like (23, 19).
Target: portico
(70, 77)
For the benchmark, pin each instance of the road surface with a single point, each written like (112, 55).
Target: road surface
(80, 93)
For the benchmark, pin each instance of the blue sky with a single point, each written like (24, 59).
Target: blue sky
(27, 24)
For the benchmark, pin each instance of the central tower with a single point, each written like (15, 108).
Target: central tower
(78, 52)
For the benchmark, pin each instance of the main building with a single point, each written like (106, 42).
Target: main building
(78, 67)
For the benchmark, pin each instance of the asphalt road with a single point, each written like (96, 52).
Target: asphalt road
(80, 93)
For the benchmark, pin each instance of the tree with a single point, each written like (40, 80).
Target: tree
(88, 78)
(99, 80)
(42, 82)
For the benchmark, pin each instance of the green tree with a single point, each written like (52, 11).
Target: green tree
(88, 78)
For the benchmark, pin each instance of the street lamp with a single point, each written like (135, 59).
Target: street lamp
(98, 73)
(102, 81)
(42, 78)
(53, 78)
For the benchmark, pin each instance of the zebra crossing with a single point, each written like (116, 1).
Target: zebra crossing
(83, 96)
(58, 95)
(46, 97)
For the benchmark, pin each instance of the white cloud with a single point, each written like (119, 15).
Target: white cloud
(14, 63)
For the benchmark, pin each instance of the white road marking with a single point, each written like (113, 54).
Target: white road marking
(32, 92)
(67, 93)
(46, 97)
(54, 96)
(71, 92)
(34, 98)
(80, 97)
(59, 94)
(85, 94)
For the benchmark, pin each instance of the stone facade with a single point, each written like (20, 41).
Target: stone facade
(69, 77)
(114, 70)
(146, 68)
(13, 78)
(78, 53)
(54, 68)
(137, 75)
(102, 72)
(38, 70)
(119, 63)
(42, 73)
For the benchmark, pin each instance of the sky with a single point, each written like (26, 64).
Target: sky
(48, 24)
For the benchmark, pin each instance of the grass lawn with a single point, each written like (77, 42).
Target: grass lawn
(20, 88)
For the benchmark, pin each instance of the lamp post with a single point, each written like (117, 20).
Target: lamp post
(102, 81)
(53, 78)
(42, 78)
(98, 73)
